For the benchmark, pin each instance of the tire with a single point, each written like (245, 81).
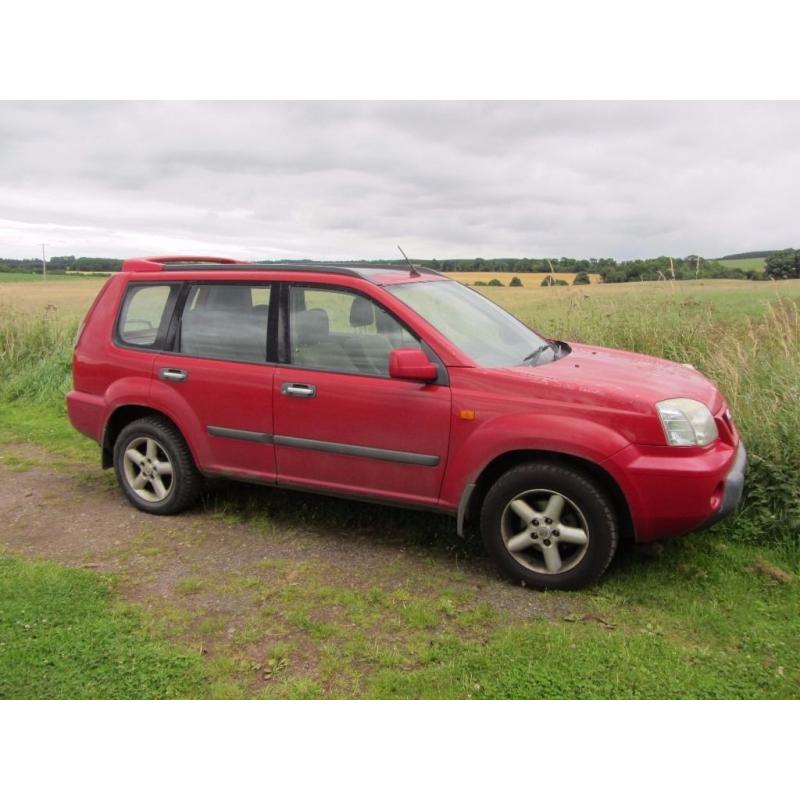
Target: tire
(168, 480)
(572, 550)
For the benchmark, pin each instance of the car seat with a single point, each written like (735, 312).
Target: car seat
(314, 347)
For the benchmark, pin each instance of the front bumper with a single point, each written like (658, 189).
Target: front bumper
(732, 489)
(672, 491)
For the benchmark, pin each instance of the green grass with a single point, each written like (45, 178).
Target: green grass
(45, 424)
(744, 263)
(35, 356)
(62, 635)
(701, 621)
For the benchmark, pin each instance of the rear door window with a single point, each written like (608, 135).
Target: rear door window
(143, 314)
(226, 321)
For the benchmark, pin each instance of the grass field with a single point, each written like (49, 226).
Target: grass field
(744, 263)
(711, 615)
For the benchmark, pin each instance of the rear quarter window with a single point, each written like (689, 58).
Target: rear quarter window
(143, 312)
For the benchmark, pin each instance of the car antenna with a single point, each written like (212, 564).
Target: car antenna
(414, 271)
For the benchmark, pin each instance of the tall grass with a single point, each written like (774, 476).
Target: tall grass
(35, 356)
(755, 361)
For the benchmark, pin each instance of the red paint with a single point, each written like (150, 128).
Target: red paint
(595, 404)
(156, 263)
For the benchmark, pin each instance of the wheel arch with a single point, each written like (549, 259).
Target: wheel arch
(512, 458)
(120, 417)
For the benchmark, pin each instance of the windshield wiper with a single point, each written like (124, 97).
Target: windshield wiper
(539, 350)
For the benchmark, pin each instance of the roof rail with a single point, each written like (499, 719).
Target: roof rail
(158, 263)
(358, 269)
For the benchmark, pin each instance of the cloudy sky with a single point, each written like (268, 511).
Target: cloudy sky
(444, 180)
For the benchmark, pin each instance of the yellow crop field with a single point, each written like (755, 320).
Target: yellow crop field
(65, 297)
(528, 278)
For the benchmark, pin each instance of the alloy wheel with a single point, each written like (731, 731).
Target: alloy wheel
(148, 469)
(545, 531)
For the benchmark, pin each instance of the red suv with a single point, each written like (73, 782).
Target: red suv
(401, 386)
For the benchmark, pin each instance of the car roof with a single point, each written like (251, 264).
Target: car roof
(379, 274)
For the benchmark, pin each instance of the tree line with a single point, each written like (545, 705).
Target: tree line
(609, 269)
(61, 264)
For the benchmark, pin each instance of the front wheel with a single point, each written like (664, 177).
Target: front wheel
(549, 526)
(155, 468)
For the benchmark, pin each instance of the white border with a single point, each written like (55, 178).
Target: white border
(398, 749)
(418, 49)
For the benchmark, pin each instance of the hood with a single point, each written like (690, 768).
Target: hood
(614, 389)
(631, 381)
(639, 378)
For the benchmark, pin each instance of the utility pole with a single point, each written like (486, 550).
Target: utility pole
(44, 263)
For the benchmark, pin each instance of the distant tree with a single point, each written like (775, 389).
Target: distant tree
(752, 254)
(581, 279)
(784, 264)
(757, 275)
(615, 275)
(515, 281)
(479, 283)
(549, 280)
(495, 282)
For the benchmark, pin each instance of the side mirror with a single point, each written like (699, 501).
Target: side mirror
(413, 365)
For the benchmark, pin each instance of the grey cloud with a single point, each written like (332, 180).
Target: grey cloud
(348, 180)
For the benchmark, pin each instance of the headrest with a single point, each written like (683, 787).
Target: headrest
(385, 323)
(311, 326)
(362, 312)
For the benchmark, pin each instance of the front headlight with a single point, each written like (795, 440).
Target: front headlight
(686, 422)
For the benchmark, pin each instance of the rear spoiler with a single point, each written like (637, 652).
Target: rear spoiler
(158, 263)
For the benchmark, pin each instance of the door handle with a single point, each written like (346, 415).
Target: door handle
(299, 390)
(172, 374)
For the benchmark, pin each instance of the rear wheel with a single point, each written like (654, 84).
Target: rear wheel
(155, 468)
(549, 526)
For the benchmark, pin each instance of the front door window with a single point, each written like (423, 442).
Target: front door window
(342, 331)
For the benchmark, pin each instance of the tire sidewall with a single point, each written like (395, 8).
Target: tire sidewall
(579, 489)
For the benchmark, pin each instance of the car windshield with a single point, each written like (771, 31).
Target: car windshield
(482, 330)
